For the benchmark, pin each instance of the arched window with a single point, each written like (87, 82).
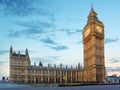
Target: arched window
(22, 63)
(15, 71)
(15, 62)
(22, 71)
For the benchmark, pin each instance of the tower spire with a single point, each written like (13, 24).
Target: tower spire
(11, 50)
(92, 9)
(92, 15)
(40, 64)
(26, 53)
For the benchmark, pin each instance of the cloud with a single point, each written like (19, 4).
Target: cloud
(48, 40)
(71, 31)
(40, 31)
(114, 60)
(3, 62)
(79, 42)
(43, 32)
(111, 69)
(33, 29)
(109, 40)
(27, 33)
(13, 34)
(3, 52)
(46, 59)
(24, 7)
(35, 24)
(39, 35)
(58, 48)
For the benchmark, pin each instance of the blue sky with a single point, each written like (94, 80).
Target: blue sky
(52, 31)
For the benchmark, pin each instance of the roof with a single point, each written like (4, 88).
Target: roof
(21, 55)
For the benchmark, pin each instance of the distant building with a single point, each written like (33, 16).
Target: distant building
(112, 79)
(21, 70)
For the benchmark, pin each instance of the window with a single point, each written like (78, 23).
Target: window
(52, 73)
(33, 71)
(38, 71)
(28, 71)
(15, 71)
(23, 80)
(22, 71)
(15, 62)
(22, 63)
(58, 73)
(46, 72)
(15, 80)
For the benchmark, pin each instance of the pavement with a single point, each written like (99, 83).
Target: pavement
(7, 86)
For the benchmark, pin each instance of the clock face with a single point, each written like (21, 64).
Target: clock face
(99, 29)
(87, 32)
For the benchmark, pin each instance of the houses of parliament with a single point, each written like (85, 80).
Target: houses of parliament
(21, 70)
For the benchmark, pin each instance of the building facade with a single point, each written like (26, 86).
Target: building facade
(21, 70)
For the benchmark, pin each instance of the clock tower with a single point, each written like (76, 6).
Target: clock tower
(93, 44)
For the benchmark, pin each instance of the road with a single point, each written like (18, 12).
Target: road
(97, 87)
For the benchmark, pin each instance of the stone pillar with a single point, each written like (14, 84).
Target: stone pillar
(71, 74)
(38, 74)
(34, 73)
(26, 75)
(41, 76)
(94, 60)
(66, 73)
(61, 73)
(55, 74)
(78, 66)
(76, 75)
(48, 73)
(31, 76)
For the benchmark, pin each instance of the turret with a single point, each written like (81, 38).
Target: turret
(26, 53)
(54, 66)
(60, 65)
(78, 66)
(11, 51)
(66, 67)
(19, 53)
(34, 64)
(40, 64)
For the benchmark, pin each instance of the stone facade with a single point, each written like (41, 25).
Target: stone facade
(21, 70)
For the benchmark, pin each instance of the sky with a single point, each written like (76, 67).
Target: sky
(52, 31)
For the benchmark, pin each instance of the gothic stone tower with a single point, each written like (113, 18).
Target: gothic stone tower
(93, 44)
(19, 66)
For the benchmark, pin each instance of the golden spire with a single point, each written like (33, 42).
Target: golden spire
(92, 13)
(92, 9)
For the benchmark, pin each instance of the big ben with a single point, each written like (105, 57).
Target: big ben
(93, 44)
